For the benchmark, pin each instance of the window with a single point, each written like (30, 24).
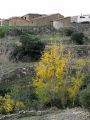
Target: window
(82, 17)
(25, 18)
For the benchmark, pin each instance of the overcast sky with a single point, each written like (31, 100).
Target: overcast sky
(9, 8)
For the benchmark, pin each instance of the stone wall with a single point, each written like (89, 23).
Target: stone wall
(67, 21)
(16, 21)
(61, 23)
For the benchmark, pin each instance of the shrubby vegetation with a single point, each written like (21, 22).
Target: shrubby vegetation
(14, 31)
(78, 38)
(21, 89)
(59, 80)
(2, 32)
(25, 92)
(8, 105)
(69, 31)
(85, 97)
(31, 49)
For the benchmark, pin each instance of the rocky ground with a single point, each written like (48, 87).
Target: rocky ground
(51, 114)
(68, 114)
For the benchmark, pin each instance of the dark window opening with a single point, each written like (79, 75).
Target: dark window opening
(25, 18)
(82, 17)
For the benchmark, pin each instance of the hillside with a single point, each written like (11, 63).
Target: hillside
(17, 73)
(53, 38)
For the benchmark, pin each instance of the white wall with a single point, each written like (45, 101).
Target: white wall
(57, 24)
(79, 19)
(85, 19)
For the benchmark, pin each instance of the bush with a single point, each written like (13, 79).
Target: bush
(2, 32)
(69, 31)
(82, 52)
(84, 97)
(4, 91)
(86, 81)
(8, 105)
(78, 38)
(23, 90)
(31, 48)
(19, 105)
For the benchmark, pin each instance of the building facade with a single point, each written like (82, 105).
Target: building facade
(37, 20)
(45, 20)
(15, 21)
(63, 22)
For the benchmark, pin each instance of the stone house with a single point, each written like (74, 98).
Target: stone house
(15, 21)
(45, 20)
(63, 22)
(56, 20)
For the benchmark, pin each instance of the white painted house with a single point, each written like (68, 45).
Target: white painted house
(80, 18)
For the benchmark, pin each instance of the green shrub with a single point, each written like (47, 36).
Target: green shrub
(31, 48)
(17, 31)
(69, 31)
(86, 81)
(84, 97)
(2, 32)
(4, 91)
(78, 38)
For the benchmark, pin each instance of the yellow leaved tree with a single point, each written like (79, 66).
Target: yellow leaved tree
(58, 76)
